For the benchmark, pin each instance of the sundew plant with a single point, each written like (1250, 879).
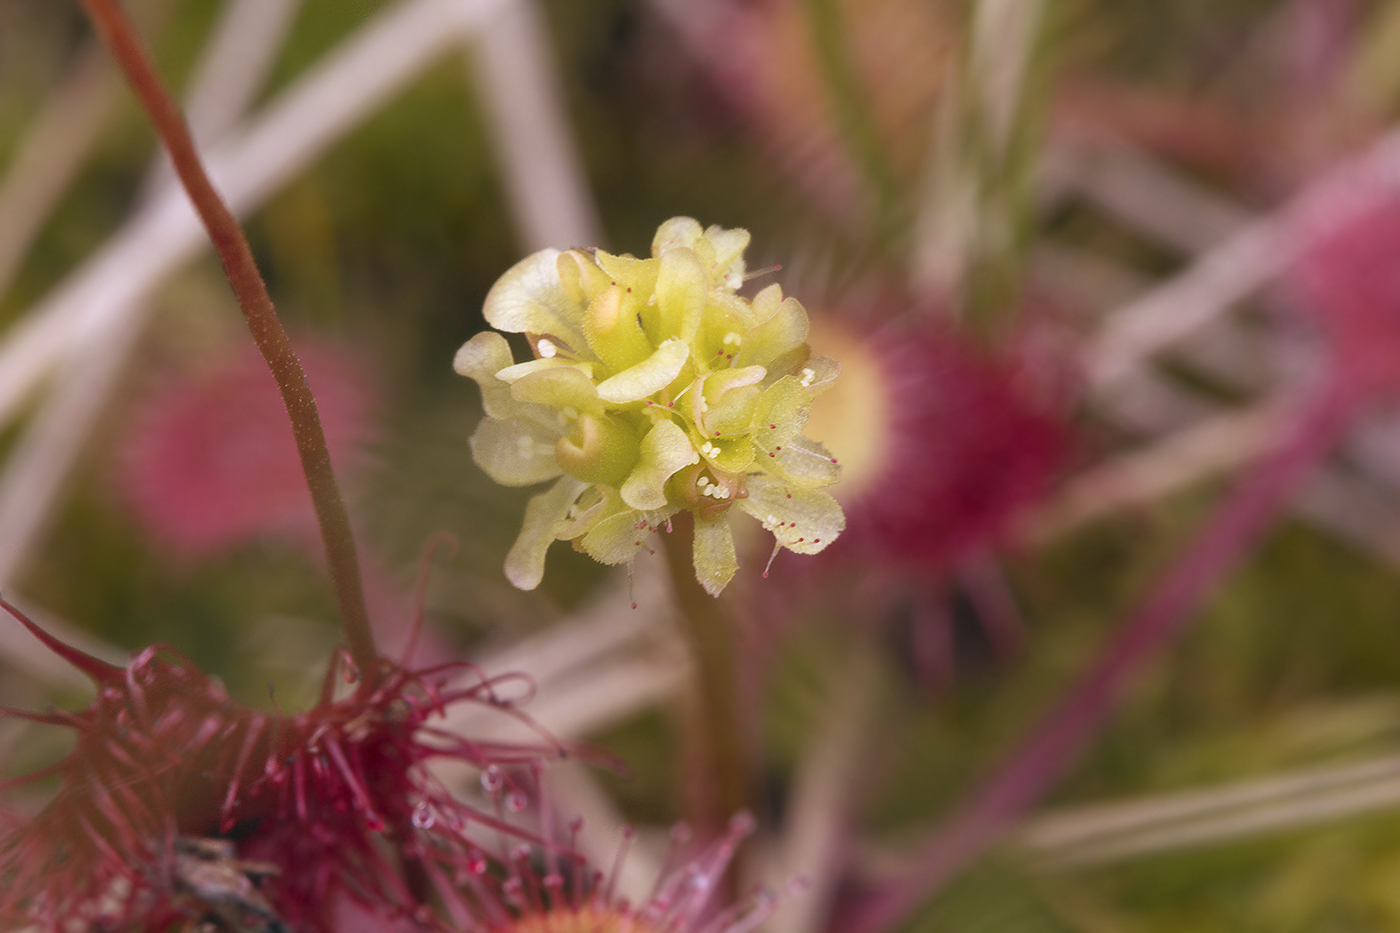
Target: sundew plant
(842, 465)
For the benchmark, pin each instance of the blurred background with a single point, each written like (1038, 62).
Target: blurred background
(1082, 261)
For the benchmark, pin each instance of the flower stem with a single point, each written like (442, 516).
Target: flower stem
(723, 774)
(1165, 612)
(272, 340)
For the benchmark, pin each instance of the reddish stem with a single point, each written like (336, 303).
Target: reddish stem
(1165, 612)
(237, 258)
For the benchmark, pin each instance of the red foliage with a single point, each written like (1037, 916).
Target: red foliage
(210, 462)
(1350, 280)
(970, 442)
(336, 798)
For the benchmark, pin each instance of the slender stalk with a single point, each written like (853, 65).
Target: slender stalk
(1165, 612)
(272, 340)
(723, 772)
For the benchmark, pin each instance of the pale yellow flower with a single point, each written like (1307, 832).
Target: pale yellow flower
(654, 388)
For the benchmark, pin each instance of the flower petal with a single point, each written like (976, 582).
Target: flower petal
(612, 329)
(674, 233)
(780, 414)
(803, 520)
(713, 552)
(516, 452)
(481, 358)
(780, 334)
(665, 449)
(637, 274)
(558, 388)
(530, 299)
(805, 463)
(680, 295)
(648, 377)
(525, 562)
(729, 246)
(619, 531)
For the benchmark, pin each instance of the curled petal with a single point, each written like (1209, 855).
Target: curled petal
(512, 374)
(648, 377)
(525, 562)
(665, 449)
(713, 552)
(803, 520)
(530, 298)
(558, 387)
(515, 452)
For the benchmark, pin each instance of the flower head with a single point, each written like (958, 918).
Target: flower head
(654, 388)
(177, 803)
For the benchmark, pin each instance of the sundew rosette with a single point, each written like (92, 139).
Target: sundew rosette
(654, 388)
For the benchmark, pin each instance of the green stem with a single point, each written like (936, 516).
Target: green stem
(724, 764)
(237, 258)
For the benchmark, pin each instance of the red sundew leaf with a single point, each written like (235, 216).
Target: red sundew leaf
(1349, 281)
(327, 796)
(208, 463)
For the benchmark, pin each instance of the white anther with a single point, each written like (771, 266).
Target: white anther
(546, 348)
(709, 449)
(808, 374)
(732, 339)
(733, 280)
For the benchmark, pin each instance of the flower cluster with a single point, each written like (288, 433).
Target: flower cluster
(177, 805)
(654, 388)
